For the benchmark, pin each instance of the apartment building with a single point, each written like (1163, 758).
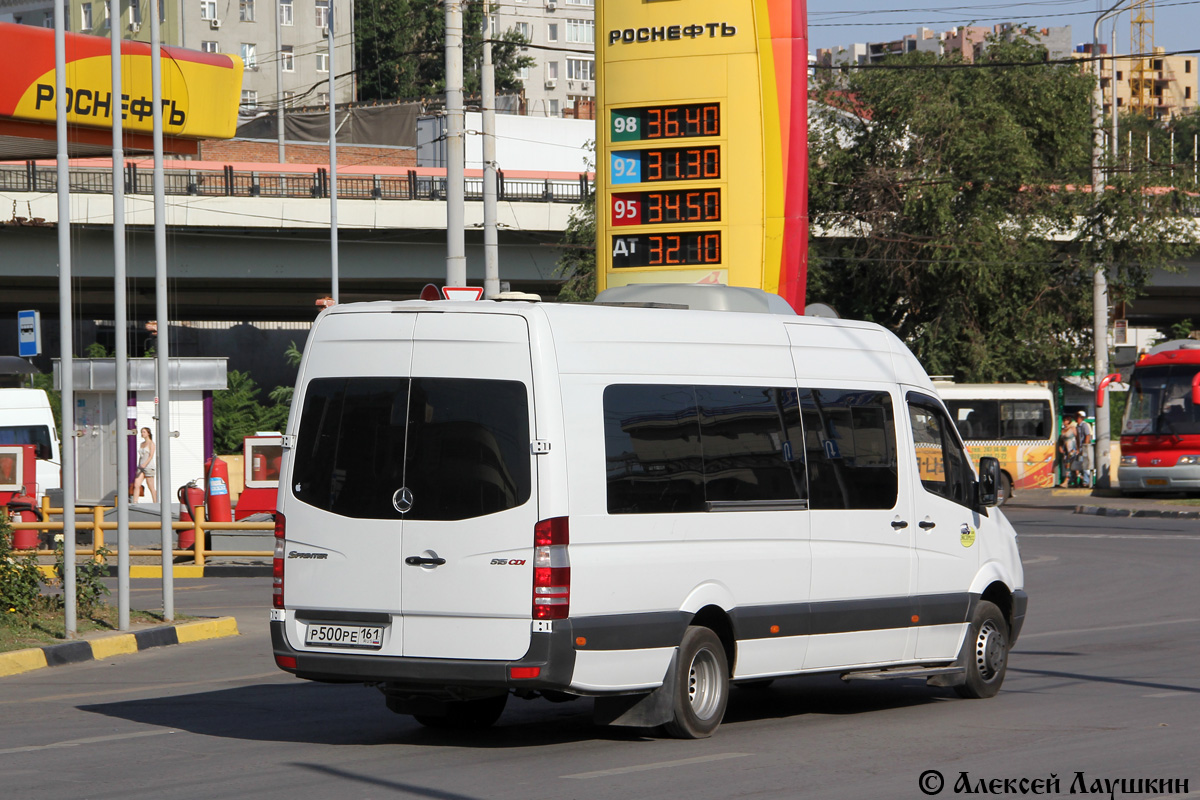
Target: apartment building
(1168, 85)
(967, 41)
(300, 55)
(562, 42)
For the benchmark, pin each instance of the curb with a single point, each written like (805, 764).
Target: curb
(1102, 511)
(55, 655)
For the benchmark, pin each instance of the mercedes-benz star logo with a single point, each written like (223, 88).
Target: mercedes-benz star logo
(403, 499)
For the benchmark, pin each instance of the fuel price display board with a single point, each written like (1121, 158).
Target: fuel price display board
(702, 144)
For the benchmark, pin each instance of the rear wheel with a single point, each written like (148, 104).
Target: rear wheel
(467, 714)
(985, 653)
(701, 685)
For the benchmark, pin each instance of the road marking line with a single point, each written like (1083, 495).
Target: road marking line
(147, 687)
(89, 740)
(1039, 560)
(682, 762)
(1167, 694)
(1025, 636)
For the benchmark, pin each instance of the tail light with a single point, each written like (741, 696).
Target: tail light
(277, 564)
(551, 570)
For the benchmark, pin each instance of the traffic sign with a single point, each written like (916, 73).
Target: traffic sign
(462, 292)
(29, 333)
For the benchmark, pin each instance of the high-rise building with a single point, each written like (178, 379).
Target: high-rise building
(562, 42)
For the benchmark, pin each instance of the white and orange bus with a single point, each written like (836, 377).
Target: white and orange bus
(1012, 422)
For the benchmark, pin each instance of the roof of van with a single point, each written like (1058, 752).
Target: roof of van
(23, 398)
(589, 338)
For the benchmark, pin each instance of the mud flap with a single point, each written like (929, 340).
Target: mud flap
(640, 710)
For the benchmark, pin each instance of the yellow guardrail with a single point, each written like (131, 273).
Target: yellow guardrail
(98, 526)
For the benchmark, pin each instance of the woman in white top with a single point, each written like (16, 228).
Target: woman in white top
(145, 469)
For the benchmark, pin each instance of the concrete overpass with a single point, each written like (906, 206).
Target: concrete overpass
(251, 241)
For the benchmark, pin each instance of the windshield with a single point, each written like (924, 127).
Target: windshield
(1160, 402)
(28, 434)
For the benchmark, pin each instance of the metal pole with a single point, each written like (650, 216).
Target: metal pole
(333, 220)
(1102, 436)
(1115, 114)
(279, 110)
(456, 259)
(163, 446)
(121, 415)
(491, 247)
(66, 362)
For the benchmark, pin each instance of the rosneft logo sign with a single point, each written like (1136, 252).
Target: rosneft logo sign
(201, 91)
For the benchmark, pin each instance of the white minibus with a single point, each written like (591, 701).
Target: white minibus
(639, 505)
(26, 418)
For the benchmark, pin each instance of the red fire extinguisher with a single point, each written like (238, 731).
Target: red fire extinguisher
(21, 507)
(216, 491)
(190, 495)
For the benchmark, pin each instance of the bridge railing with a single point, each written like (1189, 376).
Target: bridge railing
(230, 182)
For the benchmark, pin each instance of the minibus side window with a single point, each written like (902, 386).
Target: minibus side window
(752, 443)
(1025, 419)
(654, 463)
(941, 462)
(850, 448)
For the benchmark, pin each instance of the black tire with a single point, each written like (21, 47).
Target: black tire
(1004, 490)
(985, 653)
(701, 685)
(467, 714)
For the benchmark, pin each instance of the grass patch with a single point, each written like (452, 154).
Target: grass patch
(44, 627)
(1185, 501)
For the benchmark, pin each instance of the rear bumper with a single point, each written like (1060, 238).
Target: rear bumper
(553, 653)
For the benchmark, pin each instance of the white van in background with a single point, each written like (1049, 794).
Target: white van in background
(26, 418)
(641, 505)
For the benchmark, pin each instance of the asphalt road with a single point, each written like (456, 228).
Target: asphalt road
(1103, 682)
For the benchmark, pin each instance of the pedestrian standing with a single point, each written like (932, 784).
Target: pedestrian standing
(1083, 449)
(1064, 451)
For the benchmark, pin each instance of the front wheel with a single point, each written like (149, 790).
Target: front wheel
(701, 685)
(985, 653)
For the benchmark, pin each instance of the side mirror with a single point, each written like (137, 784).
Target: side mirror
(989, 481)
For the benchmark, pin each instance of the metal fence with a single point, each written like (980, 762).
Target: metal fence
(228, 182)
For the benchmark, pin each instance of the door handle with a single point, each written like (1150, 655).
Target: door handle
(899, 524)
(421, 561)
(927, 524)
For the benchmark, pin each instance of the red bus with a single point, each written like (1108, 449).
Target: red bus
(1160, 438)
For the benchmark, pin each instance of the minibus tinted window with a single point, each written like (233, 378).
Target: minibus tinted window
(467, 444)
(850, 448)
(28, 434)
(468, 448)
(652, 447)
(752, 443)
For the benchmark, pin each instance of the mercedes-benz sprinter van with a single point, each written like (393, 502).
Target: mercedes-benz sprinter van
(641, 505)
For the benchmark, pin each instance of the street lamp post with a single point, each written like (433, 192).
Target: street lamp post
(1103, 438)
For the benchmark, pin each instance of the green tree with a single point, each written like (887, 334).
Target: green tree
(964, 230)
(400, 50)
(577, 263)
(237, 413)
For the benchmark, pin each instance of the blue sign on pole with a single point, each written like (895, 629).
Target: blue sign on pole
(29, 333)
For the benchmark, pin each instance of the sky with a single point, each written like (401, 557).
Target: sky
(832, 23)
